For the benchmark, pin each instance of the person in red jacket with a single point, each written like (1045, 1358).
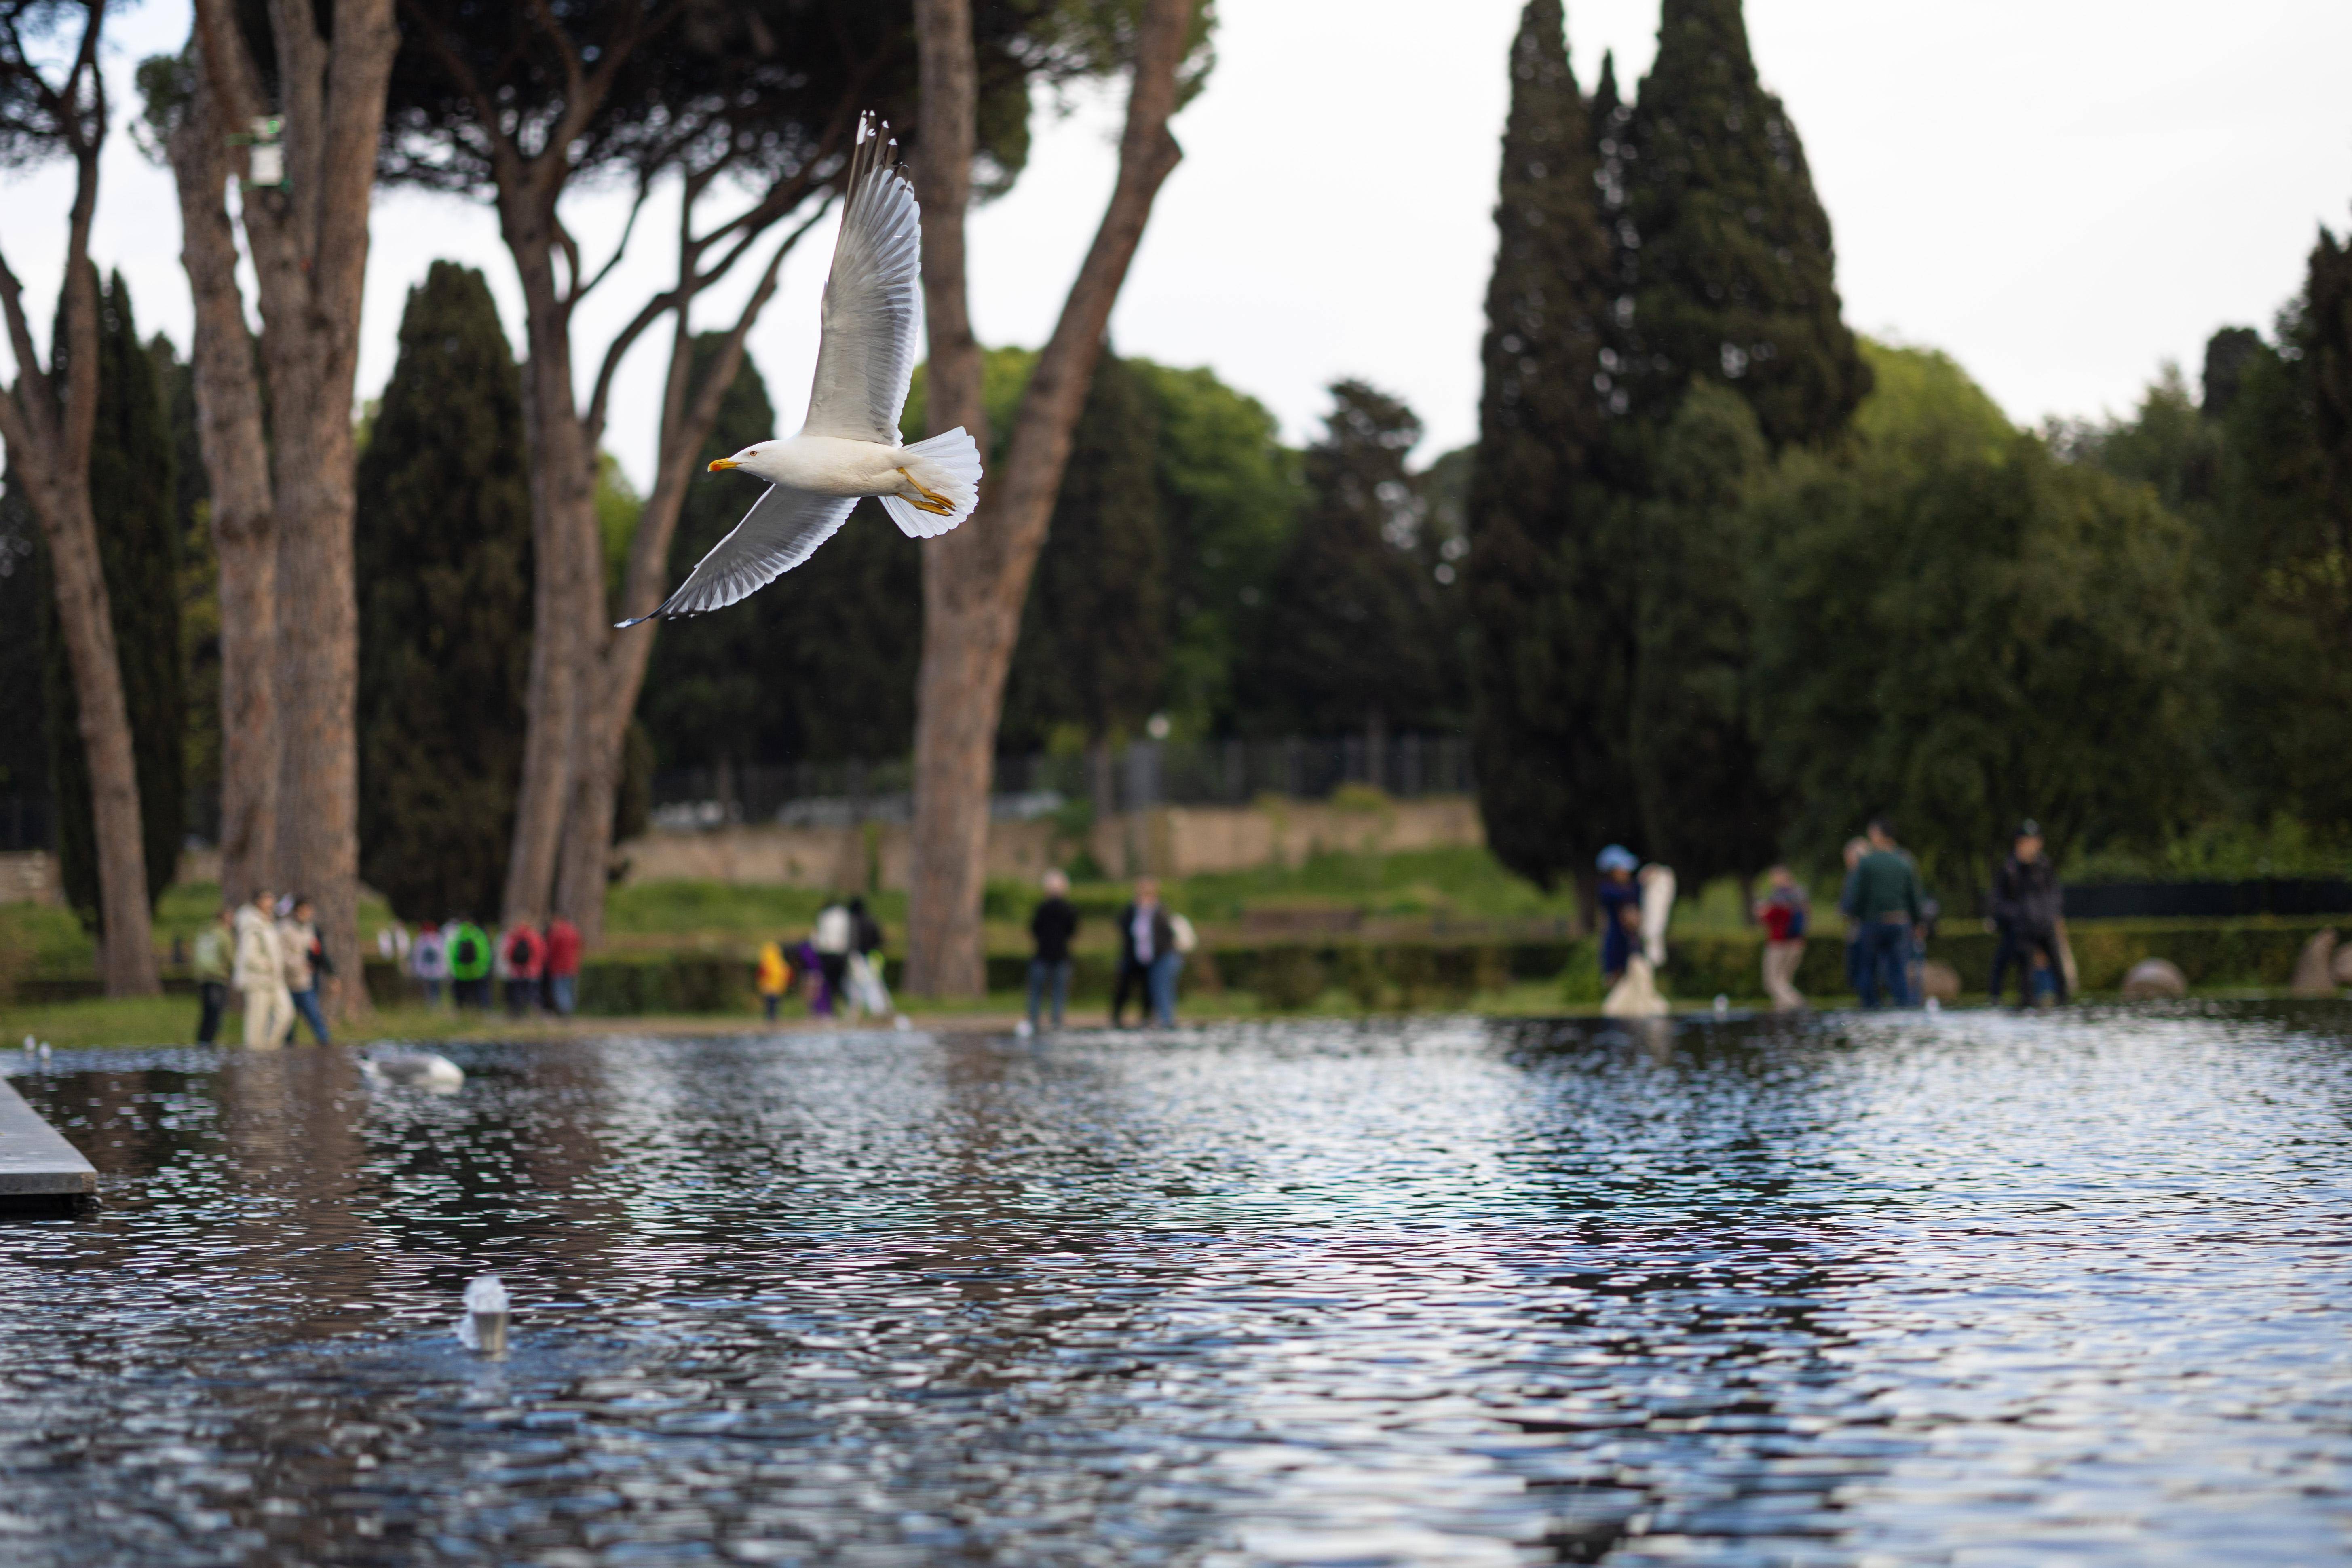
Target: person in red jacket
(561, 966)
(526, 953)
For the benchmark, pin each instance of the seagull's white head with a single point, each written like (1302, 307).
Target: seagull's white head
(752, 459)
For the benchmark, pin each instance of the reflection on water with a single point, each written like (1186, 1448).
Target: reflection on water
(1967, 1288)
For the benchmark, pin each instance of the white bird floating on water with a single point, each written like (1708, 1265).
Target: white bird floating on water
(414, 1070)
(483, 1324)
(850, 447)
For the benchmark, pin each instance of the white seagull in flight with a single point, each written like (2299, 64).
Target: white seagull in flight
(850, 447)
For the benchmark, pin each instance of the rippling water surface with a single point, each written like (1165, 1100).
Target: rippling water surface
(1969, 1288)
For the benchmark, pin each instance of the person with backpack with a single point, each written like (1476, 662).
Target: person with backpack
(469, 964)
(834, 935)
(560, 970)
(525, 950)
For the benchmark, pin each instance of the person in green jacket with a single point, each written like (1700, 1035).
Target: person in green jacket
(216, 946)
(469, 964)
(1888, 905)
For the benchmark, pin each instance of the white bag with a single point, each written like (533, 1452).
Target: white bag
(1186, 938)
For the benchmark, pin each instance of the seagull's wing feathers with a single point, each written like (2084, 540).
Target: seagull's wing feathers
(867, 354)
(783, 529)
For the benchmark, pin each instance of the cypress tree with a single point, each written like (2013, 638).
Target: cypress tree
(1094, 641)
(443, 565)
(1548, 601)
(1350, 636)
(175, 379)
(133, 488)
(1725, 248)
(1705, 804)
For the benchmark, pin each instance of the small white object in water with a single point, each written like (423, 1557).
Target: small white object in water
(902, 1022)
(1722, 1003)
(1935, 1005)
(484, 1325)
(1022, 1030)
(45, 1050)
(414, 1070)
(28, 1045)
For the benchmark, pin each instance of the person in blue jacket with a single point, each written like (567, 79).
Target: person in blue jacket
(1621, 909)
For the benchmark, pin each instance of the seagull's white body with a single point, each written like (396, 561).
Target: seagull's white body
(850, 447)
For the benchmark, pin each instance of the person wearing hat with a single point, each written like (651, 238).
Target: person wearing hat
(2026, 906)
(1621, 909)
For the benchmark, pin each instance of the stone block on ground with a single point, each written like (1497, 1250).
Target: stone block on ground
(2314, 969)
(2153, 980)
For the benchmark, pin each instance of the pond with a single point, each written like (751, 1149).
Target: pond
(1963, 1288)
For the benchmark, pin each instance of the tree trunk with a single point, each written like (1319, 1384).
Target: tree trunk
(308, 243)
(48, 430)
(245, 535)
(976, 578)
(568, 562)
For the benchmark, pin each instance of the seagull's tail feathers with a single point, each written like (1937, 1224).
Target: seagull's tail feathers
(942, 485)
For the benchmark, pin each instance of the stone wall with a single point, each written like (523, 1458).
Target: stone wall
(29, 877)
(1168, 841)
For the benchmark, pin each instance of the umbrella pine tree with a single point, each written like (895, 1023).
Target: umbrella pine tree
(1552, 635)
(445, 575)
(133, 494)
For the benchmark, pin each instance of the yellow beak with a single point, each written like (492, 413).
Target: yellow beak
(718, 463)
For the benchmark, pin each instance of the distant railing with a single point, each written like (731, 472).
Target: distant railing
(1136, 776)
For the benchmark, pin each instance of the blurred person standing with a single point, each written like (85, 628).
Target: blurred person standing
(1889, 905)
(562, 966)
(2027, 906)
(1168, 966)
(1144, 934)
(1051, 926)
(305, 961)
(772, 978)
(834, 935)
(429, 962)
(212, 966)
(470, 963)
(1784, 910)
(261, 976)
(1855, 848)
(1620, 910)
(524, 951)
(867, 990)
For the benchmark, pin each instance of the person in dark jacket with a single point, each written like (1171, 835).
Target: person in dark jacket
(1620, 908)
(1144, 934)
(1888, 906)
(1051, 927)
(2026, 904)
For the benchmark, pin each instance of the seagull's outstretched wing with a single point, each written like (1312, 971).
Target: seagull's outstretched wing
(867, 354)
(783, 529)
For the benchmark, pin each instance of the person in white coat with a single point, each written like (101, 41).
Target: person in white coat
(260, 974)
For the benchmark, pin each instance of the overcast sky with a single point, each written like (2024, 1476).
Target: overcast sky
(2061, 193)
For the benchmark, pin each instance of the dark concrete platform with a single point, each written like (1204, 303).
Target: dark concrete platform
(38, 1167)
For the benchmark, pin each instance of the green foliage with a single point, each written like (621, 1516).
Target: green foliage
(444, 567)
(1727, 251)
(1550, 612)
(1352, 633)
(1094, 631)
(199, 583)
(1229, 495)
(133, 491)
(1706, 804)
(1964, 639)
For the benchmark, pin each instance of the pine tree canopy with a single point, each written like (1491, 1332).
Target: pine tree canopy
(1549, 601)
(133, 491)
(444, 567)
(1726, 248)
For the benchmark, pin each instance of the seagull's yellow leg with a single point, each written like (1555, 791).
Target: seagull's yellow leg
(933, 502)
